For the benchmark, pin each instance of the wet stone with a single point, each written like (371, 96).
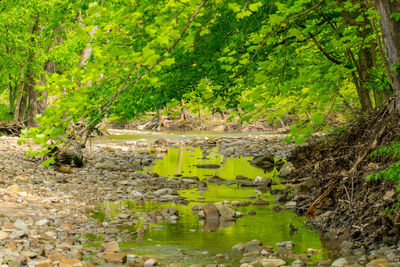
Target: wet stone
(252, 245)
(260, 202)
(238, 247)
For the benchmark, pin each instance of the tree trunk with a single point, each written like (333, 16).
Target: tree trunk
(390, 29)
(159, 119)
(184, 115)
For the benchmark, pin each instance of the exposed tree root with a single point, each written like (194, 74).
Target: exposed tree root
(11, 128)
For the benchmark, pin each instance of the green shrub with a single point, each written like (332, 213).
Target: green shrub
(4, 115)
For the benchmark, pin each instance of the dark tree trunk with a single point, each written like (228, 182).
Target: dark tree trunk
(390, 29)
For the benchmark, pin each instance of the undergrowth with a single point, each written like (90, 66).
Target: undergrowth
(4, 115)
(393, 172)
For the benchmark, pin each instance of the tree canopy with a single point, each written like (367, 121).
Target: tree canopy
(71, 63)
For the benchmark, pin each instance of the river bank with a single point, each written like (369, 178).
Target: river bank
(51, 216)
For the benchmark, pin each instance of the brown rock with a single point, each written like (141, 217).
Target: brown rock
(260, 202)
(3, 235)
(112, 257)
(110, 246)
(29, 254)
(56, 257)
(70, 261)
(64, 169)
(211, 212)
(45, 263)
(8, 226)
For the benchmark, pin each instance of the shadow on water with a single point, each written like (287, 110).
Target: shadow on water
(186, 241)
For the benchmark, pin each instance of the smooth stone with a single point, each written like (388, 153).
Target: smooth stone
(286, 169)
(135, 193)
(150, 262)
(112, 257)
(238, 247)
(235, 203)
(291, 205)
(298, 263)
(261, 202)
(285, 245)
(273, 262)
(263, 181)
(376, 262)
(165, 191)
(42, 222)
(110, 246)
(45, 263)
(340, 262)
(252, 245)
(277, 208)
(211, 212)
(21, 225)
(227, 214)
(3, 235)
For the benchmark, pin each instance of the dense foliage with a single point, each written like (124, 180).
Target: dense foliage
(68, 64)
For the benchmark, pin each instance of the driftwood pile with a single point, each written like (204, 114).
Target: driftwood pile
(11, 128)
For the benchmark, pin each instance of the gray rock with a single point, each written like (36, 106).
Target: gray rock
(197, 208)
(165, 191)
(291, 205)
(135, 193)
(262, 181)
(285, 245)
(252, 245)
(286, 169)
(108, 166)
(168, 198)
(226, 213)
(238, 247)
(277, 208)
(273, 262)
(340, 262)
(298, 263)
(21, 225)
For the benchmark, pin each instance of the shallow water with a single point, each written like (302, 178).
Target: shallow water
(185, 241)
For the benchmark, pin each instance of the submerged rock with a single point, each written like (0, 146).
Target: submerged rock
(261, 202)
(208, 166)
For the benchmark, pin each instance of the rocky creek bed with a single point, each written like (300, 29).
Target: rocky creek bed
(58, 217)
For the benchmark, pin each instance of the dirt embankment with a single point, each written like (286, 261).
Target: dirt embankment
(351, 212)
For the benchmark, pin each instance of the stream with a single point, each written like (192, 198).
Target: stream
(189, 240)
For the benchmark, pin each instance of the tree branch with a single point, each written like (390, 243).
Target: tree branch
(106, 106)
